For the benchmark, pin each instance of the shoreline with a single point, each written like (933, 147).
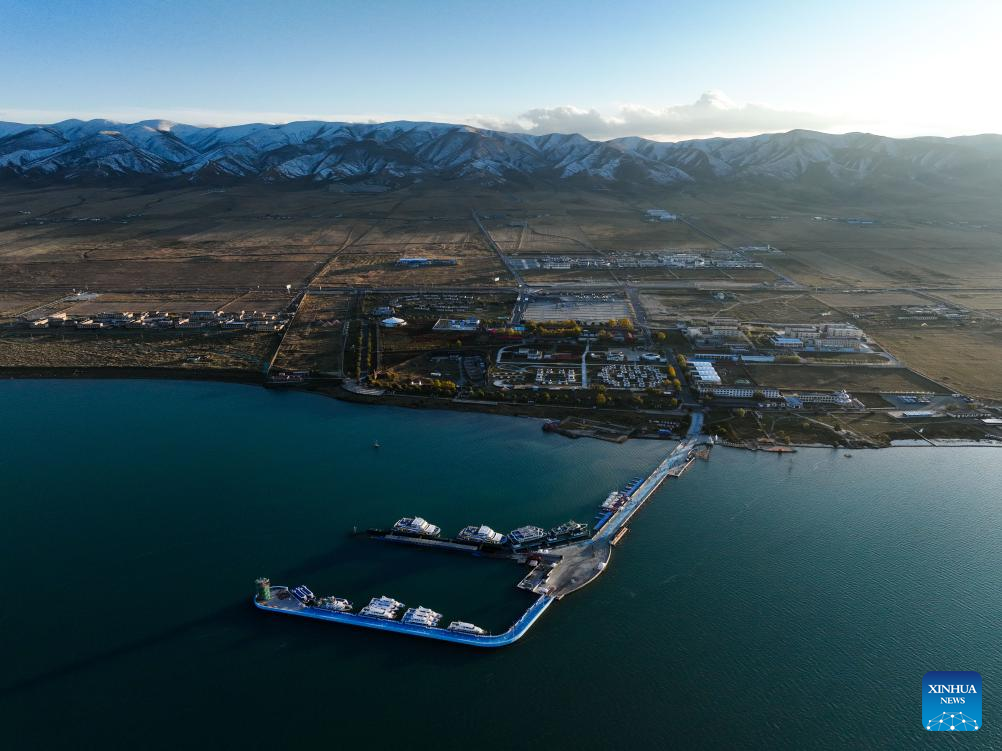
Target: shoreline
(334, 390)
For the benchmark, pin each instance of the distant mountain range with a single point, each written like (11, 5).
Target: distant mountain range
(402, 152)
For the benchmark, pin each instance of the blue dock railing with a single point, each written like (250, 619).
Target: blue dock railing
(512, 635)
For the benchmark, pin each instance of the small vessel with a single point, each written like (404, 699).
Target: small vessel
(483, 534)
(303, 594)
(382, 607)
(847, 456)
(421, 616)
(337, 604)
(375, 444)
(463, 627)
(567, 531)
(415, 525)
(614, 500)
(526, 535)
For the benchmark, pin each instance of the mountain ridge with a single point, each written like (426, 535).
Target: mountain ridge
(403, 151)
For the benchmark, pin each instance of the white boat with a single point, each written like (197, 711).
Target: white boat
(483, 533)
(338, 604)
(526, 535)
(613, 501)
(463, 627)
(421, 616)
(415, 525)
(382, 607)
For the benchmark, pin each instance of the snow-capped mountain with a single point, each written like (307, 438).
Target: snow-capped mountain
(398, 152)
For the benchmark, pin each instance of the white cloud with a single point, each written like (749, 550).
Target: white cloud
(712, 114)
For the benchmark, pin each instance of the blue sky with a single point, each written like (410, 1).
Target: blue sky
(659, 69)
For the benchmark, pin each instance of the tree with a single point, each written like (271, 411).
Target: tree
(672, 373)
(600, 400)
(677, 384)
(661, 336)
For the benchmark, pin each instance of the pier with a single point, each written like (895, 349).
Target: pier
(557, 571)
(292, 606)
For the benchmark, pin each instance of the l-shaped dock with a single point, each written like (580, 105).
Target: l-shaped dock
(567, 569)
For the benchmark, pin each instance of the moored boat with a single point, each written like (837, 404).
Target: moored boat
(463, 627)
(421, 616)
(527, 535)
(567, 531)
(415, 525)
(482, 534)
(382, 607)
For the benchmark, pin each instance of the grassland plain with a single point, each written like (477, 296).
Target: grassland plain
(237, 246)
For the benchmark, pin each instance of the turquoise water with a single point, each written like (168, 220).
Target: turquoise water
(760, 602)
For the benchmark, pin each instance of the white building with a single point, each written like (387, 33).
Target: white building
(703, 373)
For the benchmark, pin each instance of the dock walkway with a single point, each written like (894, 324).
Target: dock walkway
(292, 606)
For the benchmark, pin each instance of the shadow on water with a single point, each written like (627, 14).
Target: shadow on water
(238, 614)
(234, 611)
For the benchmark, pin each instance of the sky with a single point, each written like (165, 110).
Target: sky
(664, 70)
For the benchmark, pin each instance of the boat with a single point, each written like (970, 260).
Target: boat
(421, 616)
(303, 594)
(526, 535)
(375, 444)
(463, 627)
(567, 531)
(482, 534)
(847, 456)
(614, 500)
(337, 604)
(415, 525)
(382, 607)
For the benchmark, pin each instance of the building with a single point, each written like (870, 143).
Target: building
(717, 332)
(729, 392)
(392, 322)
(464, 325)
(661, 215)
(835, 398)
(703, 373)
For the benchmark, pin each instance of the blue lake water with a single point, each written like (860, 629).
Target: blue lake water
(762, 601)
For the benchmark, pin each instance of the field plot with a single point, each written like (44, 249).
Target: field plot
(566, 308)
(473, 267)
(965, 358)
(866, 300)
(903, 247)
(630, 230)
(455, 248)
(665, 308)
(834, 378)
(986, 301)
(77, 237)
(135, 349)
(431, 306)
(13, 304)
(260, 302)
(315, 340)
(117, 302)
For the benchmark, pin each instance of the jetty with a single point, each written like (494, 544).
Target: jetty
(557, 569)
(290, 605)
